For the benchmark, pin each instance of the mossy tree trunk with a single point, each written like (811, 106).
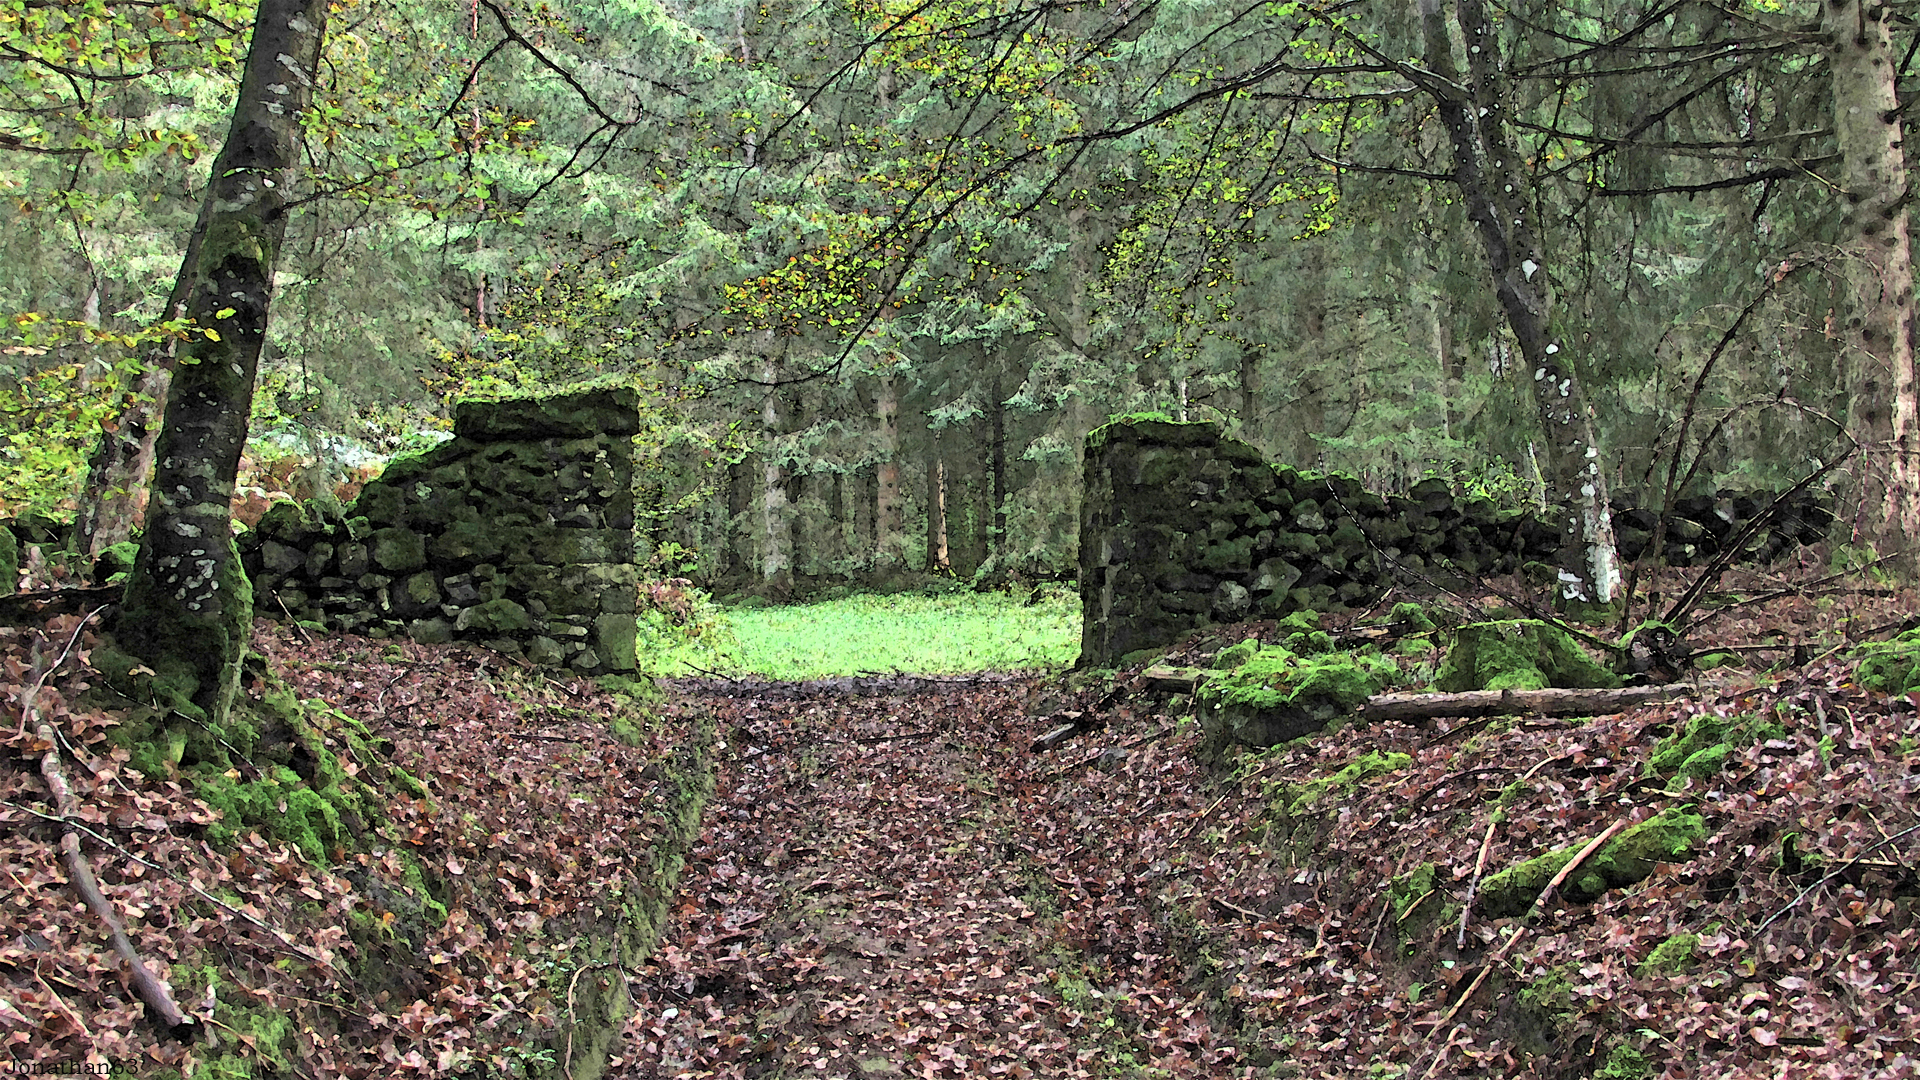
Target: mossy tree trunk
(1498, 193)
(1879, 274)
(188, 605)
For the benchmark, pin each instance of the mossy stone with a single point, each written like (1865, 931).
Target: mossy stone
(1296, 799)
(545, 652)
(604, 410)
(1233, 656)
(1153, 429)
(1700, 748)
(1518, 654)
(467, 542)
(614, 639)
(430, 631)
(1627, 859)
(494, 616)
(1279, 695)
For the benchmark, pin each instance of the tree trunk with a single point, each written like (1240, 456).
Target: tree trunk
(1879, 269)
(835, 553)
(189, 606)
(997, 457)
(888, 523)
(736, 537)
(776, 561)
(1250, 428)
(114, 501)
(1498, 195)
(937, 560)
(866, 536)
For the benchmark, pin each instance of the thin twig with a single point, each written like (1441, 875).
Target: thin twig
(1553, 886)
(573, 1021)
(290, 618)
(151, 988)
(1451, 1039)
(1844, 867)
(1492, 962)
(1473, 887)
(284, 938)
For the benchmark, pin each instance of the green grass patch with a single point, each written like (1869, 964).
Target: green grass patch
(946, 634)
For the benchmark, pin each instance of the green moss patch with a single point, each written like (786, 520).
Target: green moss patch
(1233, 656)
(1627, 859)
(1279, 694)
(1891, 667)
(1299, 798)
(1701, 747)
(1671, 957)
(1518, 654)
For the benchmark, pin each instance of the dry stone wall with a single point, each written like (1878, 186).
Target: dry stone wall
(1182, 527)
(517, 533)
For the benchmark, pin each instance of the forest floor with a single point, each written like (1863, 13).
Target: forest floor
(888, 881)
(892, 884)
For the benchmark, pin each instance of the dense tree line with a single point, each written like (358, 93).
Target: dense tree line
(880, 265)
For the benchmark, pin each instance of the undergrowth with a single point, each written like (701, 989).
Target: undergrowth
(924, 634)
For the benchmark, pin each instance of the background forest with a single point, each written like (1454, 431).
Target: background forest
(879, 265)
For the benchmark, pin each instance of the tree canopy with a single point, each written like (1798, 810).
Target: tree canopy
(880, 265)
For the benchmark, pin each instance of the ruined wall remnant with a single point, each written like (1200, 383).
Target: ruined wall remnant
(1182, 527)
(517, 534)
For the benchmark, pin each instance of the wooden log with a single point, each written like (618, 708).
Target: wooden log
(34, 608)
(1549, 702)
(1174, 680)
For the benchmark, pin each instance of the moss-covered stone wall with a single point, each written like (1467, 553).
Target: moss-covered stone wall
(517, 533)
(1182, 527)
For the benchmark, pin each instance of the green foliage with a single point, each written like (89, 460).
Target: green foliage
(1624, 1063)
(52, 413)
(957, 632)
(681, 629)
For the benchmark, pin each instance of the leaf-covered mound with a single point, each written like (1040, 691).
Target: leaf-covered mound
(464, 928)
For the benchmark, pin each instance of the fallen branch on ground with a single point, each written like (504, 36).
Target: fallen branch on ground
(1549, 702)
(150, 987)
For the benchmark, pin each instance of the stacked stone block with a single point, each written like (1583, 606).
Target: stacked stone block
(517, 533)
(1182, 527)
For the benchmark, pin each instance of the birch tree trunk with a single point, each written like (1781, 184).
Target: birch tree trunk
(189, 606)
(888, 520)
(1498, 195)
(1879, 269)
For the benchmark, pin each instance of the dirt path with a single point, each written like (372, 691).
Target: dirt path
(895, 886)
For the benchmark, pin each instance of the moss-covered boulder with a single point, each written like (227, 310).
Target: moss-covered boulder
(1279, 695)
(1518, 654)
(1627, 859)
